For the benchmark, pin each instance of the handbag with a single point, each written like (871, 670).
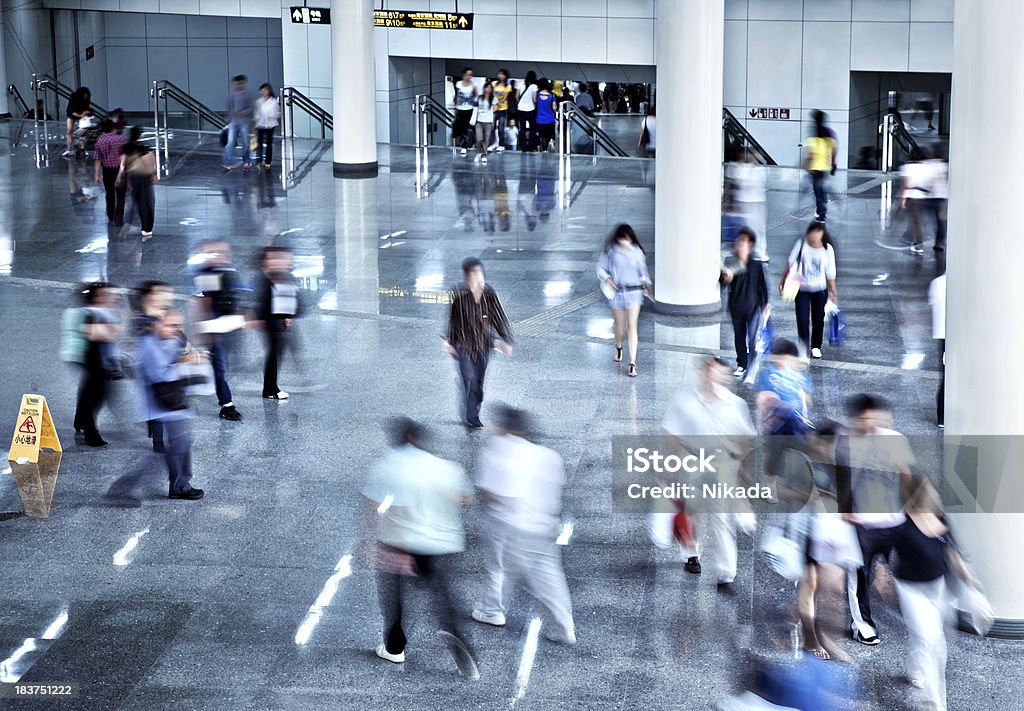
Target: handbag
(394, 561)
(836, 327)
(170, 395)
(835, 541)
(198, 378)
(794, 279)
(784, 550)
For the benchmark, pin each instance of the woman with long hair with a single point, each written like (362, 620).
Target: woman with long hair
(138, 167)
(526, 116)
(485, 111)
(812, 265)
(622, 270)
(268, 114)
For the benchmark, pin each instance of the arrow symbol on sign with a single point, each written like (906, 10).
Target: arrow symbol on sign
(462, 21)
(297, 15)
(753, 113)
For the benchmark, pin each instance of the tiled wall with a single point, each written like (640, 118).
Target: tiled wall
(227, 8)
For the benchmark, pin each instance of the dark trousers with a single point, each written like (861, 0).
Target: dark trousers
(178, 453)
(265, 151)
(435, 572)
(276, 340)
(820, 198)
(527, 122)
(142, 196)
(500, 124)
(937, 208)
(917, 209)
(874, 542)
(115, 195)
(545, 135)
(940, 397)
(745, 327)
(461, 137)
(219, 360)
(472, 369)
(810, 317)
(92, 391)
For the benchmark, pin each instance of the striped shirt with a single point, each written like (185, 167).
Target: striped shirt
(472, 323)
(108, 149)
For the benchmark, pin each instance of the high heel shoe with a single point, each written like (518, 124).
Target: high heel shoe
(618, 355)
(632, 370)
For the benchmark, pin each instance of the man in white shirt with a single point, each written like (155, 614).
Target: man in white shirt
(937, 300)
(522, 483)
(708, 411)
(873, 481)
(418, 529)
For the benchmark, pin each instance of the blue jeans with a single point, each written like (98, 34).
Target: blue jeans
(236, 129)
(219, 361)
(820, 197)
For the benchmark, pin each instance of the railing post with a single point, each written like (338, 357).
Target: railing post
(154, 92)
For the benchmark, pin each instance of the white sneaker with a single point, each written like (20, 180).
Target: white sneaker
(383, 653)
(815, 353)
(500, 149)
(281, 395)
(463, 151)
(491, 149)
(483, 159)
(916, 249)
(739, 373)
(496, 619)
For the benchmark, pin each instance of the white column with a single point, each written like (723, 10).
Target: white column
(688, 199)
(357, 246)
(984, 392)
(4, 107)
(354, 88)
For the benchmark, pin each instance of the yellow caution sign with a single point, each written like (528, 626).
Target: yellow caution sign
(34, 431)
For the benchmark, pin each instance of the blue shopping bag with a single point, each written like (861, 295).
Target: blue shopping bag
(762, 349)
(836, 328)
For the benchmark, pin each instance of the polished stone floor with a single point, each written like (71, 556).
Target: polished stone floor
(178, 605)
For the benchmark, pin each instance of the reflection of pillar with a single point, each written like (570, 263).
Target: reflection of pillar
(355, 119)
(6, 200)
(984, 195)
(357, 242)
(5, 111)
(688, 202)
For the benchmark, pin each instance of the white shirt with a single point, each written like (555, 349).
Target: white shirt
(527, 480)
(692, 414)
(875, 463)
(485, 110)
(939, 178)
(751, 181)
(422, 495)
(267, 113)
(817, 265)
(527, 102)
(917, 180)
(937, 299)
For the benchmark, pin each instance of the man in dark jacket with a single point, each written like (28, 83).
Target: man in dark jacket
(217, 292)
(475, 318)
(278, 305)
(748, 297)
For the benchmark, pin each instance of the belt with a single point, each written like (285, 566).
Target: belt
(636, 287)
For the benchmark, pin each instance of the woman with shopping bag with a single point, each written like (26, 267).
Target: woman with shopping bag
(810, 282)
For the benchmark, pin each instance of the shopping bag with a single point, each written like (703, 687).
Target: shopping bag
(198, 378)
(762, 349)
(979, 612)
(834, 541)
(836, 328)
(784, 549)
(791, 287)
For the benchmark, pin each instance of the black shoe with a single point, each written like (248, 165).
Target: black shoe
(869, 641)
(692, 565)
(95, 440)
(474, 424)
(190, 495)
(229, 412)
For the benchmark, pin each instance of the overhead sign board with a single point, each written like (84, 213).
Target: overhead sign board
(764, 112)
(311, 15)
(423, 20)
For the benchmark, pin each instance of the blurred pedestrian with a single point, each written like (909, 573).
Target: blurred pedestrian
(749, 181)
(484, 122)
(916, 179)
(503, 93)
(476, 324)
(698, 417)
(101, 330)
(873, 482)
(522, 484)
(547, 105)
(278, 306)
(138, 168)
(108, 165)
(417, 527)
(268, 115)
(79, 106)
(152, 300)
(938, 197)
(162, 398)
(622, 269)
(217, 295)
(584, 101)
(821, 155)
(937, 300)
(748, 298)
(812, 264)
(241, 106)
(465, 102)
(783, 402)
(526, 116)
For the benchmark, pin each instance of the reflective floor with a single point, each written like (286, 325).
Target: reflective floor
(254, 598)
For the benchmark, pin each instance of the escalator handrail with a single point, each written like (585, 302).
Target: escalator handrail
(588, 124)
(732, 125)
(291, 95)
(163, 87)
(12, 90)
(45, 82)
(906, 139)
(436, 108)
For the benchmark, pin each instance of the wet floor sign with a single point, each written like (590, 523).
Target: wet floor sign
(34, 430)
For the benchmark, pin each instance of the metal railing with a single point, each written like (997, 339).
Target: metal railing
(569, 116)
(167, 91)
(738, 137)
(426, 107)
(13, 92)
(895, 135)
(42, 83)
(292, 98)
